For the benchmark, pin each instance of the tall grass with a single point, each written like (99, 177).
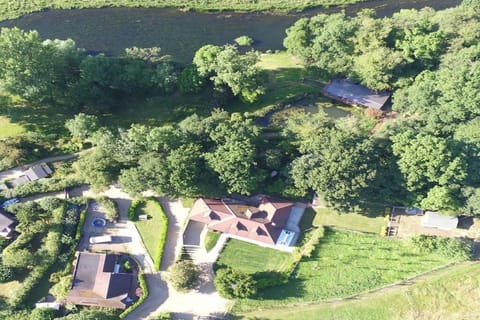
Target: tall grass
(13, 9)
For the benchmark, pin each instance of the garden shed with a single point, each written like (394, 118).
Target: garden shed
(435, 220)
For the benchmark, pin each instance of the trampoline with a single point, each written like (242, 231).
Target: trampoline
(99, 222)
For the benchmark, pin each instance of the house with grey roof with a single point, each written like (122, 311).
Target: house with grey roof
(346, 91)
(99, 280)
(7, 223)
(34, 173)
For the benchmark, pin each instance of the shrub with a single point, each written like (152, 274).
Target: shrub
(183, 275)
(448, 247)
(270, 279)
(161, 316)
(143, 285)
(81, 222)
(211, 240)
(244, 41)
(43, 314)
(6, 273)
(42, 186)
(61, 288)
(111, 210)
(157, 260)
(132, 211)
(234, 284)
(190, 81)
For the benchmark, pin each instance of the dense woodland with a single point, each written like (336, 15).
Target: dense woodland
(427, 157)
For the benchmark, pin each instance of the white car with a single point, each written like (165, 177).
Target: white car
(100, 239)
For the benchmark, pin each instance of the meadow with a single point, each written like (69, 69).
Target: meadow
(342, 265)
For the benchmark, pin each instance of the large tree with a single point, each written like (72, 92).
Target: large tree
(228, 68)
(26, 66)
(323, 41)
(427, 161)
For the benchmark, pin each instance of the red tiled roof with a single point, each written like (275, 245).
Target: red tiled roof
(263, 223)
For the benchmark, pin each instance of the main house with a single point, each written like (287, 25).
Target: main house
(269, 222)
(98, 280)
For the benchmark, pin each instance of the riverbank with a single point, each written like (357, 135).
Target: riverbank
(9, 10)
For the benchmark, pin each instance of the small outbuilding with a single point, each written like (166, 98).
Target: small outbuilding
(435, 220)
(347, 91)
(34, 173)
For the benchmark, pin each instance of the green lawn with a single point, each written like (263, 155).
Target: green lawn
(211, 240)
(9, 129)
(7, 288)
(284, 79)
(150, 229)
(450, 293)
(350, 221)
(251, 258)
(344, 264)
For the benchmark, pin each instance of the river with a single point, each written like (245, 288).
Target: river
(178, 33)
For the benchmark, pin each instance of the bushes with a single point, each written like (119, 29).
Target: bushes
(6, 273)
(144, 287)
(211, 239)
(111, 210)
(270, 279)
(183, 275)
(448, 247)
(244, 41)
(81, 222)
(41, 186)
(41, 260)
(157, 260)
(132, 211)
(235, 284)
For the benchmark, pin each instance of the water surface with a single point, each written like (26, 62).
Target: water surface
(178, 33)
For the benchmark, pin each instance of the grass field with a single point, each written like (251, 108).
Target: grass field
(350, 221)
(251, 258)
(7, 288)
(284, 79)
(8, 129)
(344, 264)
(12, 9)
(150, 229)
(450, 293)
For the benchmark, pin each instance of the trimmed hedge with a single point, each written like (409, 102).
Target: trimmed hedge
(132, 211)
(157, 260)
(81, 223)
(144, 286)
(41, 186)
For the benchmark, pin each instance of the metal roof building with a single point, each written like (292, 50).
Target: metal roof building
(351, 93)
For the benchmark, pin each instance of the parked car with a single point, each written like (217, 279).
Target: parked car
(100, 239)
(9, 202)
